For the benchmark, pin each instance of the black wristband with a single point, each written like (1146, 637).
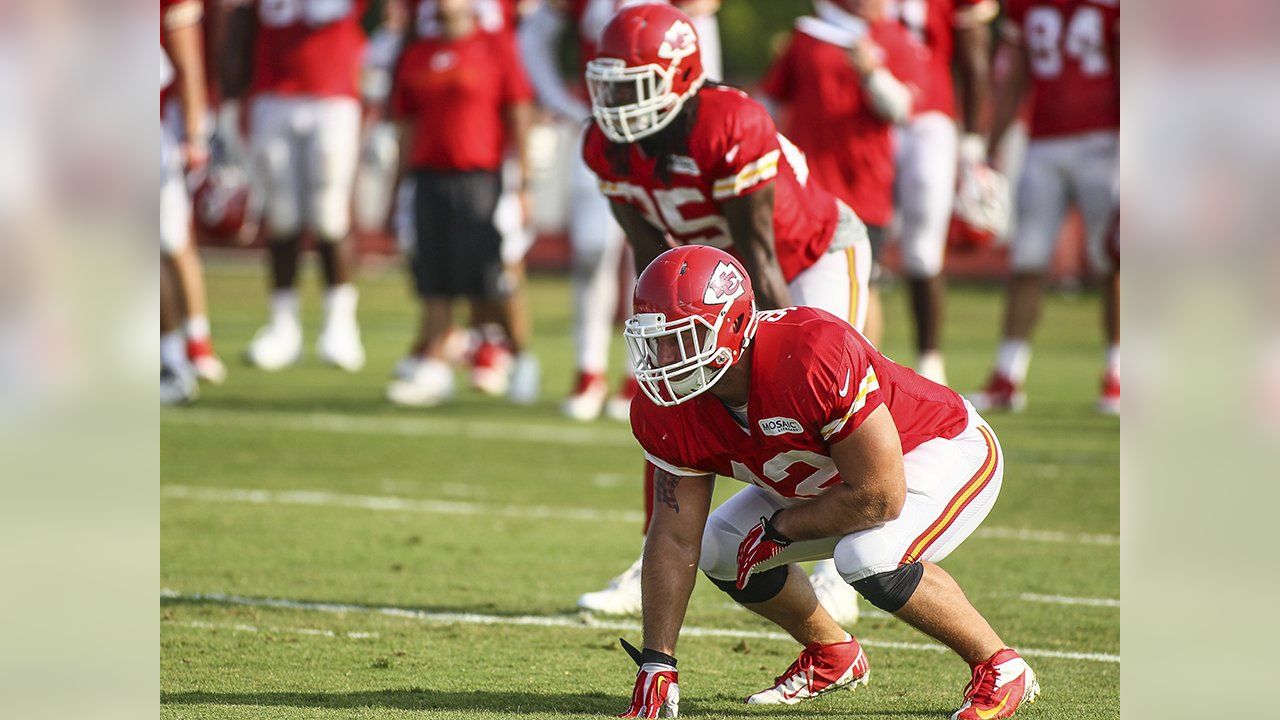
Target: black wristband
(772, 533)
(653, 656)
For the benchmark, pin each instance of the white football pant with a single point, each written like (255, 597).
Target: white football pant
(924, 190)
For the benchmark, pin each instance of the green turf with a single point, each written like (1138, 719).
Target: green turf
(315, 429)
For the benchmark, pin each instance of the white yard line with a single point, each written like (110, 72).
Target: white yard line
(1067, 600)
(392, 503)
(538, 433)
(241, 627)
(567, 621)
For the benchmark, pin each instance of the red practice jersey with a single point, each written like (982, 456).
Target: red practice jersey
(308, 47)
(734, 150)
(849, 147)
(1073, 52)
(455, 92)
(932, 24)
(814, 380)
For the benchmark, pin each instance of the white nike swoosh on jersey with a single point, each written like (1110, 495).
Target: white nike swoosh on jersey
(733, 153)
(845, 390)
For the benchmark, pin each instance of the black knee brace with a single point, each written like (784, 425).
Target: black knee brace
(890, 590)
(760, 586)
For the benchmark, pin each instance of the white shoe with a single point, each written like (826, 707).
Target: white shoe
(339, 345)
(587, 401)
(276, 345)
(526, 379)
(619, 406)
(837, 597)
(178, 386)
(620, 597)
(210, 369)
(404, 369)
(931, 367)
(430, 384)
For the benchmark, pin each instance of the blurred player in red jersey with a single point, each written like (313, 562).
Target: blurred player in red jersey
(299, 60)
(454, 162)
(1066, 52)
(947, 32)
(845, 455)
(186, 347)
(844, 80)
(497, 344)
(686, 162)
(595, 239)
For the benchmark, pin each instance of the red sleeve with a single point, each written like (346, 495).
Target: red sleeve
(515, 83)
(777, 82)
(593, 152)
(844, 382)
(745, 153)
(400, 105)
(662, 445)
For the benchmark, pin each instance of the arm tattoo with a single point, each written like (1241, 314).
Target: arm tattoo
(664, 488)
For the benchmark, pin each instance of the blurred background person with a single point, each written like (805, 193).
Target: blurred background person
(186, 345)
(453, 162)
(300, 62)
(947, 32)
(842, 82)
(1067, 54)
(496, 345)
(595, 239)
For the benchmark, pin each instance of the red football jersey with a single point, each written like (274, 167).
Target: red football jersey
(734, 150)
(1073, 49)
(308, 47)
(932, 24)
(456, 93)
(814, 380)
(849, 147)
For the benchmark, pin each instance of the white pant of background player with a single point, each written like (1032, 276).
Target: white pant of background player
(305, 151)
(1079, 169)
(952, 484)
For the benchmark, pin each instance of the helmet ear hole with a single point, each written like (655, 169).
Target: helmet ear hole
(737, 322)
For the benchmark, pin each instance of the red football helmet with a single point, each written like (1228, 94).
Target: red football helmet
(221, 200)
(695, 314)
(648, 64)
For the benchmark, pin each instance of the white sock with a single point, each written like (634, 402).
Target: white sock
(340, 303)
(1012, 360)
(931, 366)
(284, 306)
(1113, 360)
(173, 349)
(197, 327)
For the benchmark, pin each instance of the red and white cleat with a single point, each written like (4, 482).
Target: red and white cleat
(587, 399)
(208, 366)
(998, 687)
(1001, 393)
(1109, 401)
(819, 669)
(619, 407)
(491, 368)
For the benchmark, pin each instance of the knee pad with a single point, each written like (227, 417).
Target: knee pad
(890, 590)
(760, 587)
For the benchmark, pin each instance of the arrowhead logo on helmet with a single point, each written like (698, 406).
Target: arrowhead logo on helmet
(679, 42)
(725, 285)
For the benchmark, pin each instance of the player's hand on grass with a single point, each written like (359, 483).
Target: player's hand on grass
(760, 544)
(657, 690)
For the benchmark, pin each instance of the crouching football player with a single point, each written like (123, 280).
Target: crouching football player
(845, 454)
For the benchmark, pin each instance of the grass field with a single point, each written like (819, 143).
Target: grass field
(325, 555)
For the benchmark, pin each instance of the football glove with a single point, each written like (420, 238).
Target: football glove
(657, 689)
(760, 544)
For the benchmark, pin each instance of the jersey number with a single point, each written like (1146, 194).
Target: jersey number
(794, 473)
(281, 13)
(662, 210)
(1085, 41)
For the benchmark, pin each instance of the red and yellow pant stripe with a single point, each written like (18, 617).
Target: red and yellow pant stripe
(959, 501)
